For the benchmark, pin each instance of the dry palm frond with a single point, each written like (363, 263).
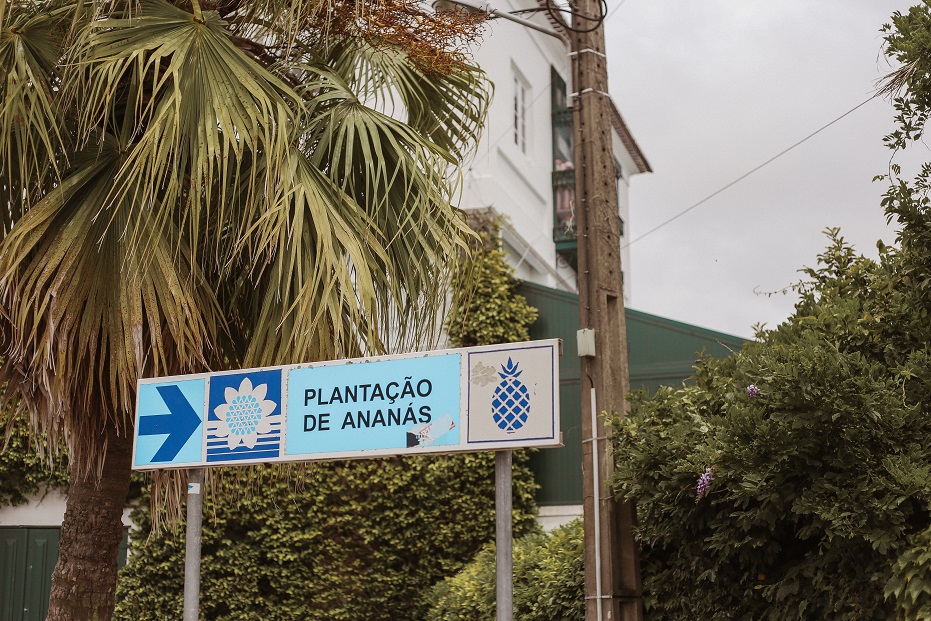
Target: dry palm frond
(897, 81)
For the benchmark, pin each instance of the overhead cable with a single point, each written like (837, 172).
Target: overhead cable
(750, 172)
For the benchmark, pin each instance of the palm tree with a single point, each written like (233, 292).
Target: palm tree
(193, 186)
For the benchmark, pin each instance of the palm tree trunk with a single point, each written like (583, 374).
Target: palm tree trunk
(84, 581)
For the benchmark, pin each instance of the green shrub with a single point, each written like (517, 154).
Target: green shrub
(548, 581)
(819, 505)
(486, 308)
(350, 540)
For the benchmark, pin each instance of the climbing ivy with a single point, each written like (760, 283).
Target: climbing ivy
(24, 471)
(486, 307)
(347, 540)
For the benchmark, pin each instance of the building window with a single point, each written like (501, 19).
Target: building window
(521, 111)
(618, 178)
(563, 168)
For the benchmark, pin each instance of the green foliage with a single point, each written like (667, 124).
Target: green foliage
(908, 42)
(486, 307)
(24, 466)
(821, 498)
(910, 584)
(820, 503)
(350, 540)
(346, 540)
(548, 581)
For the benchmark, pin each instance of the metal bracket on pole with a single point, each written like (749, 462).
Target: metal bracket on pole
(589, 50)
(195, 511)
(478, 5)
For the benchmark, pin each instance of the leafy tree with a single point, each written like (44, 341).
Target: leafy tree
(794, 479)
(209, 184)
(793, 503)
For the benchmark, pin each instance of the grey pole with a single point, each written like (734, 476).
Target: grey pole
(195, 511)
(504, 538)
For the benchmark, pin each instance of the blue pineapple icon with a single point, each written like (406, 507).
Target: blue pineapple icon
(511, 404)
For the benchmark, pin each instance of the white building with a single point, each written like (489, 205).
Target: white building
(523, 165)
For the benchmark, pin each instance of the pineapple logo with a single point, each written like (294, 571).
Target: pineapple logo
(511, 404)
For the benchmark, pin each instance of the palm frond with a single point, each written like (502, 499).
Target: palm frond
(88, 319)
(448, 108)
(196, 105)
(397, 177)
(31, 136)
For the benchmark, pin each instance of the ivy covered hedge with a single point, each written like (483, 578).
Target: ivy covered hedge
(350, 540)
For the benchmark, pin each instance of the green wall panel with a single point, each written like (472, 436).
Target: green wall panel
(663, 352)
(559, 470)
(41, 556)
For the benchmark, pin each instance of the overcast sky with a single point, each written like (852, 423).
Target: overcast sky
(712, 88)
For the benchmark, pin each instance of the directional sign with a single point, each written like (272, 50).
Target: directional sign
(169, 422)
(496, 397)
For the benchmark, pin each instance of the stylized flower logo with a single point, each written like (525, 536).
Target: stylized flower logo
(245, 414)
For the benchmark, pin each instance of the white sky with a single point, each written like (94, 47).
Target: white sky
(712, 88)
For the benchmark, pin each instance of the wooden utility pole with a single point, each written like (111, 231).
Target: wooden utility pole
(612, 571)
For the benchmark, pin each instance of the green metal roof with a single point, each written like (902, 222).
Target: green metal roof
(662, 352)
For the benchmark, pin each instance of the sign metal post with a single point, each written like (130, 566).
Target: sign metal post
(195, 511)
(504, 537)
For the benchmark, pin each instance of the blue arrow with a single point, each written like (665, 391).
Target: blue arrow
(180, 423)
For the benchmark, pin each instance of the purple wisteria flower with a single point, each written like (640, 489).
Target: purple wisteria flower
(704, 484)
(752, 391)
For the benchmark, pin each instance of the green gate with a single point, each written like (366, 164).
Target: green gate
(27, 559)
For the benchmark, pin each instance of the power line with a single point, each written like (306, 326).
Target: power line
(750, 172)
(614, 10)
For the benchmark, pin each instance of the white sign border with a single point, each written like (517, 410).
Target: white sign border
(464, 446)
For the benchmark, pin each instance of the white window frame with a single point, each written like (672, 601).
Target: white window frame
(521, 112)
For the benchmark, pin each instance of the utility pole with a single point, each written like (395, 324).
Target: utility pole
(612, 567)
(612, 563)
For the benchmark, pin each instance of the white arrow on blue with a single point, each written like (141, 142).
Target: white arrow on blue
(169, 416)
